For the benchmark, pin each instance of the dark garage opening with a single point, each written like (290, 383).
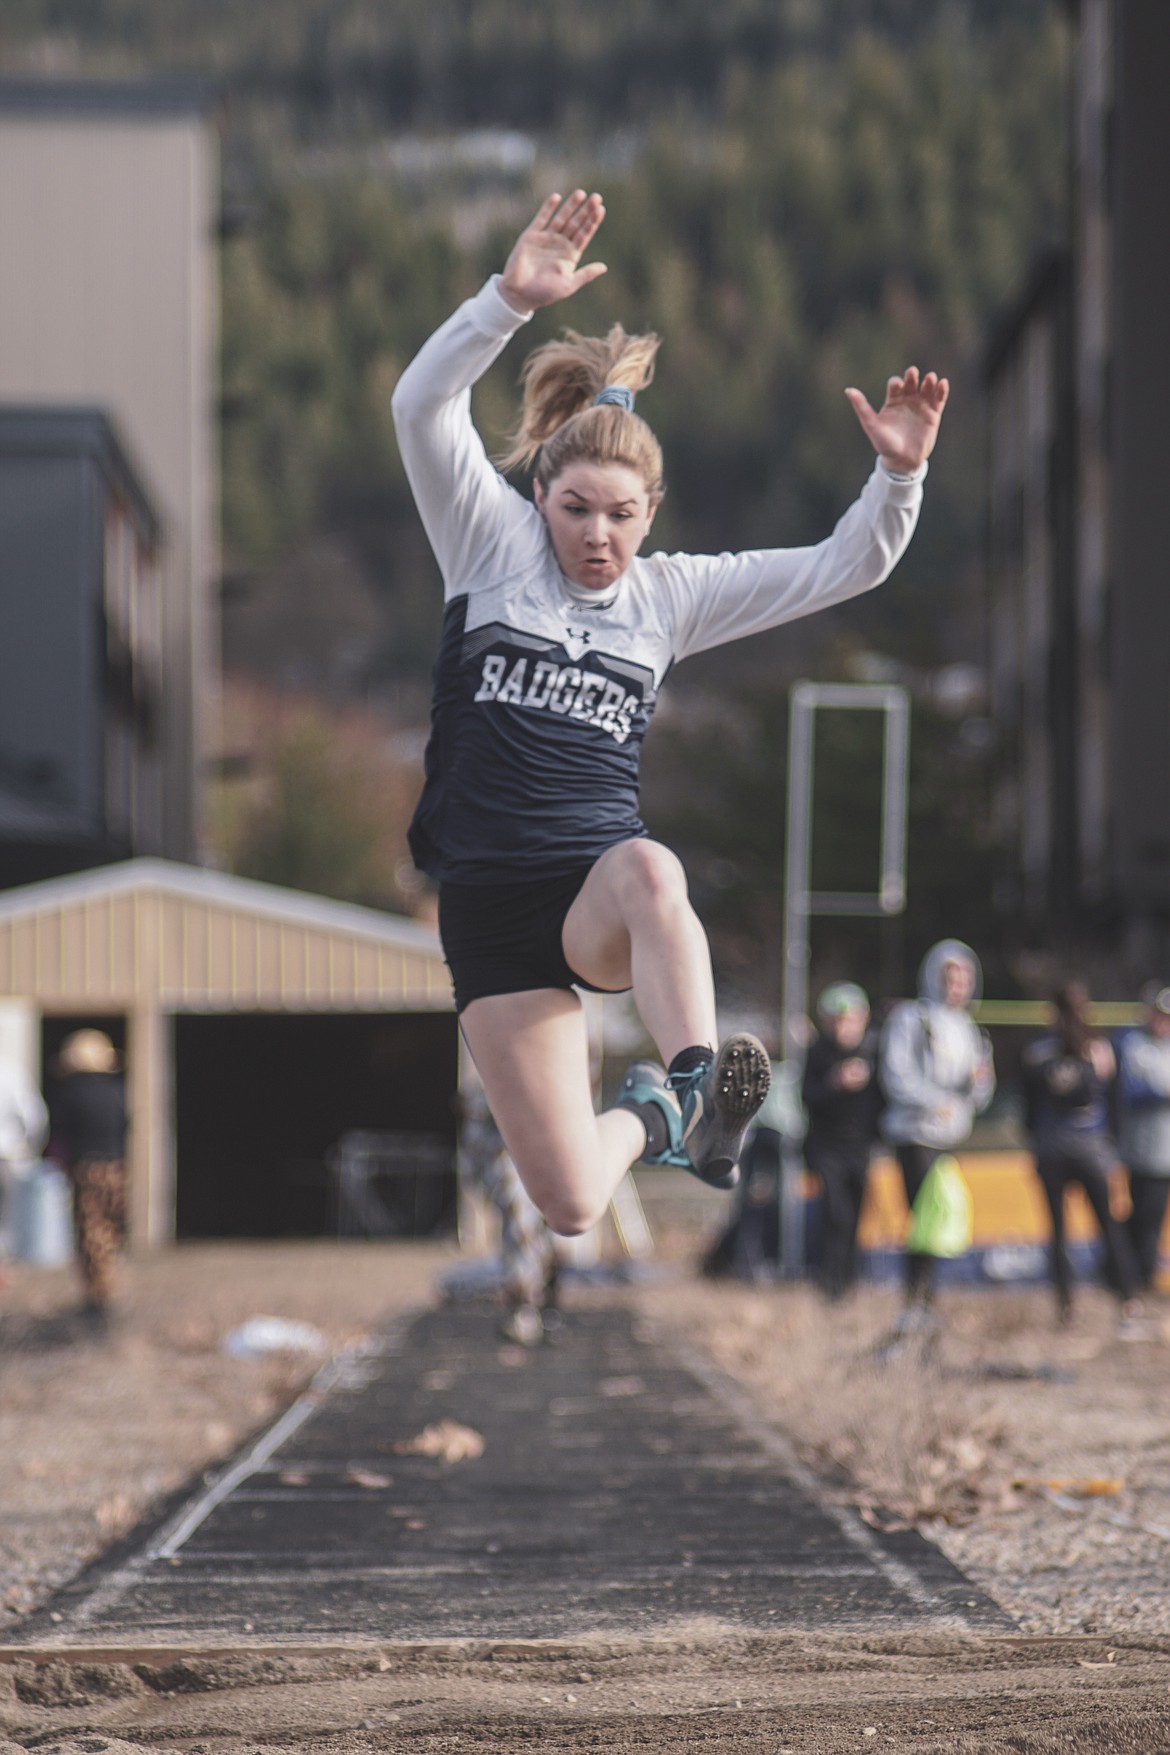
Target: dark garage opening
(262, 1101)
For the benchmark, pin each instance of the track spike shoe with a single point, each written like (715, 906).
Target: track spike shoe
(645, 1083)
(718, 1101)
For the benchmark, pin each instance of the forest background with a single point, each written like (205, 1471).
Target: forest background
(801, 195)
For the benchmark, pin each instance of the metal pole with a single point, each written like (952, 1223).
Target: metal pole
(797, 852)
(794, 1002)
(801, 902)
(895, 802)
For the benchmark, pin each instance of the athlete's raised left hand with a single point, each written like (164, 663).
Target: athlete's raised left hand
(903, 431)
(543, 266)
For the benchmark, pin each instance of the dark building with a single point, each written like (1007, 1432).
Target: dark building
(81, 770)
(1079, 526)
(109, 225)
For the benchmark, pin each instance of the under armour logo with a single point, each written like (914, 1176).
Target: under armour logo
(582, 637)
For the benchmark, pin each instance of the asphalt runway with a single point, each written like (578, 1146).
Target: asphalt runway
(622, 1489)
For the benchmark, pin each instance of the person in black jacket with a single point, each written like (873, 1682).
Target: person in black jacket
(89, 1138)
(843, 1101)
(1068, 1078)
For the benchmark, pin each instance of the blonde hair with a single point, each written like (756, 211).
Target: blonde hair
(87, 1051)
(561, 422)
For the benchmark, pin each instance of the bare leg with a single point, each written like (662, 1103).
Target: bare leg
(633, 925)
(532, 1053)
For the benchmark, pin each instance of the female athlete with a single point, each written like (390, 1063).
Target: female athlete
(557, 635)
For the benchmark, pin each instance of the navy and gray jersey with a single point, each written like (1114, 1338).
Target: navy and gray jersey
(543, 688)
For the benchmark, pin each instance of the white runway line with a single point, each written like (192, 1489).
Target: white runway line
(347, 1370)
(739, 1404)
(344, 1370)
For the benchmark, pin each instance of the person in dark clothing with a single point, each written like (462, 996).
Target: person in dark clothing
(1068, 1078)
(842, 1099)
(89, 1138)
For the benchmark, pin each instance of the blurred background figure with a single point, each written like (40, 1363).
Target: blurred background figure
(24, 1125)
(937, 1074)
(528, 1259)
(1068, 1078)
(89, 1140)
(750, 1246)
(842, 1100)
(1144, 1136)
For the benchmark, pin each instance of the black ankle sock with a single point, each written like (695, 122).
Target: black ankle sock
(687, 1059)
(654, 1121)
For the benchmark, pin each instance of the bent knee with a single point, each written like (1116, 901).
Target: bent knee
(651, 874)
(571, 1218)
(568, 1211)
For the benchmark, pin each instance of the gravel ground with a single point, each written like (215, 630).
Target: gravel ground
(1037, 1457)
(97, 1433)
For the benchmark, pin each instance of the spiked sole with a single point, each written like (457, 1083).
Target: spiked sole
(739, 1081)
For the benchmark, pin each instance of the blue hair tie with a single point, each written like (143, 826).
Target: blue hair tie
(619, 394)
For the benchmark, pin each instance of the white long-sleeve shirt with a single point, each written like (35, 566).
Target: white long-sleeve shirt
(544, 689)
(1143, 1061)
(24, 1120)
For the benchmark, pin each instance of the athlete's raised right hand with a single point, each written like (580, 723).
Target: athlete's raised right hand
(542, 268)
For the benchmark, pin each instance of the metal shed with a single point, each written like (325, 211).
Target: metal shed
(158, 952)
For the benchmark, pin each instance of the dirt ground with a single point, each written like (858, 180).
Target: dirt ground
(96, 1433)
(716, 1695)
(1037, 1457)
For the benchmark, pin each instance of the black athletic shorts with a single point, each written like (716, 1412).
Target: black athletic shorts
(506, 938)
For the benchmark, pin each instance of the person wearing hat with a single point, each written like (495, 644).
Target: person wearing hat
(89, 1136)
(1143, 1058)
(842, 1101)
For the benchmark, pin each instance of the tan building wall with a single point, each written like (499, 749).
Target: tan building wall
(108, 296)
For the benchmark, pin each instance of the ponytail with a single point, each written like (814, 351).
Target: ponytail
(561, 421)
(1071, 1004)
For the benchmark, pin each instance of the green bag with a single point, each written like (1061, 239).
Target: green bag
(942, 1217)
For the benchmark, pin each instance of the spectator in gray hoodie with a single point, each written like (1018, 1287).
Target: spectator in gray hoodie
(937, 1074)
(1143, 1060)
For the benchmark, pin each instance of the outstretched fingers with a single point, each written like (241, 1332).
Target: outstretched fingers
(544, 264)
(904, 429)
(583, 215)
(544, 213)
(926, 389)
(572, 218)
(564, 213)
